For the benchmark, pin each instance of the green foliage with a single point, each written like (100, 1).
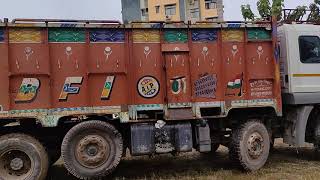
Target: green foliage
(264, 8)
(277, 7)
(247, 12)
(298, 13)
(315, 12)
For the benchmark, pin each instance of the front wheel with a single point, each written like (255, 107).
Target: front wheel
(92, 149)
(22, 158)
(250, 145)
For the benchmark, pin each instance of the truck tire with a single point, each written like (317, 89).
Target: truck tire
(22, 157)
(250, 145)
(92, 150)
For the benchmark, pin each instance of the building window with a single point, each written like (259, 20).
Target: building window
(157, 9)
(144, 12)
(309, 49)
(211, 4)
(170, 9)
(193, 2)
(211, 19)
(195, 13)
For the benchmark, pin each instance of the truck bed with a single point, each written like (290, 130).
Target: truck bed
(51, 69)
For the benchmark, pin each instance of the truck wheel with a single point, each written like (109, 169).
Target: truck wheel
(92, 149)
(250, 145)
(22, 158)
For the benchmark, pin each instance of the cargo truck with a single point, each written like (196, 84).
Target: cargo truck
(90, 90)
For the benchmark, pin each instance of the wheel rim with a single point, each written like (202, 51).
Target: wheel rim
(15, 164)
(255, 145)
(92, 151)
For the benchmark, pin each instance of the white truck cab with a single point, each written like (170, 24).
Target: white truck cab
(300, 63)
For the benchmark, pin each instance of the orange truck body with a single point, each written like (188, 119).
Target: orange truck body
(52, 69)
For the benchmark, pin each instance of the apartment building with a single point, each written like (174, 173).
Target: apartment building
(172, 10)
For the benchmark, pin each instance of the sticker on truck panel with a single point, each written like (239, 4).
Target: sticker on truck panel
(178, 85)
(107, 88)
(148, 87)
(261, 88)
(234, 86)
(28, 90)
(206, 86)
(69, 89)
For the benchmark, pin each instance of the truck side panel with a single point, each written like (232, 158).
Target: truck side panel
(184, 73)
(4, 71)
(29, 69)
(107, 65)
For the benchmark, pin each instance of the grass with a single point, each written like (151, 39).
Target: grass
(284, 163)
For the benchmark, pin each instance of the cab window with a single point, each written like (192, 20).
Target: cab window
(309, 49)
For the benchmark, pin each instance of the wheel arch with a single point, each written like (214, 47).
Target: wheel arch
(296, 121)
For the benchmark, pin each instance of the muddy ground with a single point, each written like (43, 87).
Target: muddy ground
(284, 163)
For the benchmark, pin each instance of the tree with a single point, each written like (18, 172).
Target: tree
(277, 7)
(298, 13)
(247, 12)
(264, 8)
(314, 11)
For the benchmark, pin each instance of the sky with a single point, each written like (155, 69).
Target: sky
(101, 9)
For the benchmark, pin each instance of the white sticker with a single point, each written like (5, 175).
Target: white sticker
(148, 87)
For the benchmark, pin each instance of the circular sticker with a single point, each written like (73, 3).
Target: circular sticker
(148, 87)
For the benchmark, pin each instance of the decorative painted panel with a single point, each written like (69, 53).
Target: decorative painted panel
(107, 35)
(151, 36)
(233, 35)
(25, 35)
(1, 35)
(67, 35)
(204, 35)
(259, 34)
(176, 36)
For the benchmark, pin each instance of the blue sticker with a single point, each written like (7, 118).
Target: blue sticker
(204, 35)
(107, 35)
(234, 25)
(1, 35)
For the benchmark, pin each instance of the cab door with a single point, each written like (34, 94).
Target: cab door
(305, 61)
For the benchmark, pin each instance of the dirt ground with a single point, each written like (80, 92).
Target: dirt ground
(284, 163)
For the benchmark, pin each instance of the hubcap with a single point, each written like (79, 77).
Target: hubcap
(15, 163)
(255, 145)
(92, 151)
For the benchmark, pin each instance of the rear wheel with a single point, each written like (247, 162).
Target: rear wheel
(92, 149)
(250, 145)
(22, 158)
